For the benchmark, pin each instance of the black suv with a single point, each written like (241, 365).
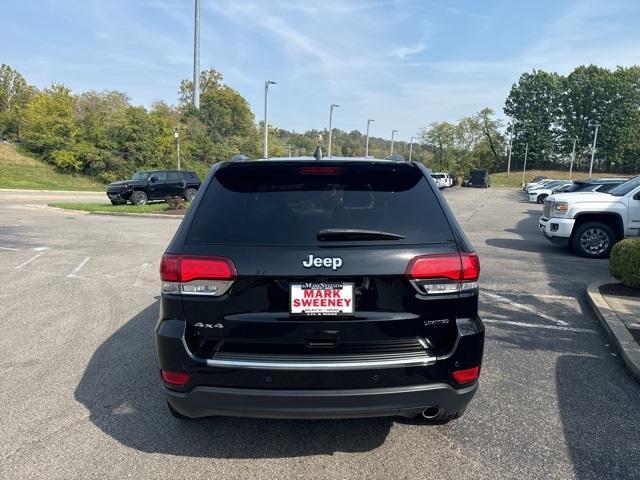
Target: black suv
(330, 288)
(154, 185)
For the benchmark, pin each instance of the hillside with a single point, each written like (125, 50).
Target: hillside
(515, 179)
(18, 170)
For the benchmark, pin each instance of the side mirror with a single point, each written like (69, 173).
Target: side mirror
(153, 179)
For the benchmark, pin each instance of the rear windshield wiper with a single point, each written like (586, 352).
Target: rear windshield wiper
(346, 234)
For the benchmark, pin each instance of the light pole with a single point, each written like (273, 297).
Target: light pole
(366, 148)
(176, 135)
(411, 147)
(573, 157)
(393, 132)
(593, 148)
(333, 105)
(266, 123)
(524, 169)
(510, 147)
(196, 57)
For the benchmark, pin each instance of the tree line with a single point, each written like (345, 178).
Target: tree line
(103, 134)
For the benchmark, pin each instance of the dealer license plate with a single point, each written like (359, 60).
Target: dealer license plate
(317, 298)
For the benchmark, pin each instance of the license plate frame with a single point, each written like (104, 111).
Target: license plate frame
(335, 299)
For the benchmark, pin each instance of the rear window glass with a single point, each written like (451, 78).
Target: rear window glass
(288, 204)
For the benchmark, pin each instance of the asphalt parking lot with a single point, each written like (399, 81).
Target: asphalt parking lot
(81, 399)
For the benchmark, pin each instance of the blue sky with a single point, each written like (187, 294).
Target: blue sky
(405, 63)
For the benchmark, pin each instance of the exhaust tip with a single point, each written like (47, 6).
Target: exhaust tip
(431, 412)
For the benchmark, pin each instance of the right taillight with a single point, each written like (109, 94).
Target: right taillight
(444, 273)
(196, 275)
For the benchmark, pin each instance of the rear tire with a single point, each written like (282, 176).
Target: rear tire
(175, 414)
(593, 240)
(139, 198)
(190, 194)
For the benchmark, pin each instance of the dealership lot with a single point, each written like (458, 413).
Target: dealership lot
(81, 394)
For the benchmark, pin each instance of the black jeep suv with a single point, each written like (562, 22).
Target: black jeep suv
(301, 288)
(154, 185)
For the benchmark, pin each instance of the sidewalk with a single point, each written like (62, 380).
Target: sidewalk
(617, 308)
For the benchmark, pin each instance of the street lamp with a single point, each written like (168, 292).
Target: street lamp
(196, 57)
(333, 105)
(176, 135)
(524, 168)
(411, 147)
(366, 148)
(266, 124)
(393, 132)
(513, 127)
(573, 157)
(593, 148)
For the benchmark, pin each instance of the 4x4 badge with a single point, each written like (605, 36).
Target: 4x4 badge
(318, 262)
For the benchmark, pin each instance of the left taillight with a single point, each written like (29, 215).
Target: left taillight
(196, 275)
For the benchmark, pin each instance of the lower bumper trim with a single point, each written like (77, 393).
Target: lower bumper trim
(204, 401)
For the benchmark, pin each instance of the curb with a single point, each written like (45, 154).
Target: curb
(116, 214)
(31, 190)
(615, 328)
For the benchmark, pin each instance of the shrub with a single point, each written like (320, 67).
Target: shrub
(175, 203)
(624, 262)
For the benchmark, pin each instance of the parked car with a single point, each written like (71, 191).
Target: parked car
(535, 179)
(154, 185)
(593, 222)
(443, 180)
(538, 195)
(479, 178)
(594, 185)
(330, 288)
(533, 185)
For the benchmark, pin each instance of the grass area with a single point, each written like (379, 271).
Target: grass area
(515, 179)
(19, 170)
(107, 207)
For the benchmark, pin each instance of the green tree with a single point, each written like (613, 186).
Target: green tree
(15, 94)
(534, 104)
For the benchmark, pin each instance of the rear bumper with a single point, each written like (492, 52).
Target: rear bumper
(375, 387)
(404, 401)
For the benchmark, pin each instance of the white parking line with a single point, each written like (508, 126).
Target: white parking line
(526, 308)
(9, 248)
(143, 267)
(79, 267)
(24, 264)
(535, 295)
(498, 321)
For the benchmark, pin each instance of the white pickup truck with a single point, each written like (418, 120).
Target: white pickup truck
(593, 222)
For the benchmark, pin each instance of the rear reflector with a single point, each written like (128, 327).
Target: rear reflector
(177, 379)
(467, 375)
(452, 266)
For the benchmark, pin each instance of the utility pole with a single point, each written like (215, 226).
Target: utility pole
(393, 132)
(573, 157)
(176, 135)
(196, 58)
(366, 148)
(333, 105)
(510, 148)
(524, 169)
(593, 149)
(266, 122)
(411, 147)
